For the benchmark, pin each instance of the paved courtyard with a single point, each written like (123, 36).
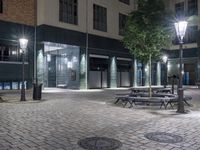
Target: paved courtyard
(64, 117)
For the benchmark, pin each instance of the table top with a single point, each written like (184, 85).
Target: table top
(154, 89)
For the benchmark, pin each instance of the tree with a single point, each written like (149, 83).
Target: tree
(147, 31)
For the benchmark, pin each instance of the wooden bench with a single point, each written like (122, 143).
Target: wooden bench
(149, 100)
(163, 90)
(123, 98)
(1, 99)
(158, 98)
(185, 100)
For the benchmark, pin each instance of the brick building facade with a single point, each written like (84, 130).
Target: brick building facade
(19, 11)
(17, 19)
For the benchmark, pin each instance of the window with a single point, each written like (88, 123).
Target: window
(15, 86)
(122, 23)
(1, 6)
(191, 34)
(68, 11)
(179, 10)
(99, 18)
(9, 53)
(192, 7)
(7, 86)
(125, 1)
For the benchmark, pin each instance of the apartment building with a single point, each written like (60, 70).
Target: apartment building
(17, 19)
(79, 43)
(72, 43)
(189, 10)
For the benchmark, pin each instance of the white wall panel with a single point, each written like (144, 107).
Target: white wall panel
(48, 13)
(104, 79)
(125, 76)
(94, 79)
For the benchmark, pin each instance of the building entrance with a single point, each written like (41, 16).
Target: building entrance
(61, 66)
(98, 74)
(123, 73)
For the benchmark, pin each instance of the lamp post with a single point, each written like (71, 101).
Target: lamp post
(23, 45)
(180, 27)
(165, 59)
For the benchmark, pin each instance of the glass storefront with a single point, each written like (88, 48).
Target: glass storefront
(61, 65)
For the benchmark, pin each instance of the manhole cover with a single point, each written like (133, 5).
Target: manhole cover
(164, 137)
(99, 143)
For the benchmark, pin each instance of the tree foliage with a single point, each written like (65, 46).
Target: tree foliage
(147, 30)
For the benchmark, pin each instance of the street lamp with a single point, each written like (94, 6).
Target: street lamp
(165, 59)
(23, 45)
(180, 27)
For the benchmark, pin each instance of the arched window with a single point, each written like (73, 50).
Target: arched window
(1, 6)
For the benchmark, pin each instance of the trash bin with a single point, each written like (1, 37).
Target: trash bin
(37, 91)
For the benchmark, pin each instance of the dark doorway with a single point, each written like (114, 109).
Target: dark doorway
(123, 73)
(52, 71)
(98, 74)
(189, 74)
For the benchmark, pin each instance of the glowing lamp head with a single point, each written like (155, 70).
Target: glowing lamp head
(181, 27)
(165, 58)
(23, 43)
(69, 65)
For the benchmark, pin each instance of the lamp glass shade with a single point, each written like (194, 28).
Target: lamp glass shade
(164, 58)
(74, 59)
(181, 27)
(23, 43)
(48, 58)
(69, 65)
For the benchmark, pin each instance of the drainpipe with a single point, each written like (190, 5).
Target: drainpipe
(86, 48)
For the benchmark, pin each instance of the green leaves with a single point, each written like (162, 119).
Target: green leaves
(146, 31)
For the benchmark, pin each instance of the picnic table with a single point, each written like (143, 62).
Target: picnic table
(163, 90)
(164, 99)
(155, 89)
(198, 85)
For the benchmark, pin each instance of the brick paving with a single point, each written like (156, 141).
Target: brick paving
(63, 118)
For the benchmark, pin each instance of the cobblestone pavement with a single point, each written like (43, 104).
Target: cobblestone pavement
(63, 118)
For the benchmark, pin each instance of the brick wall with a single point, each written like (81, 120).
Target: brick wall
(19, 11)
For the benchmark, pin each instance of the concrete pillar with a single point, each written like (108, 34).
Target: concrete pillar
(158, 73)
(131, 72)
(198, 67)
(113, 72)
(146, 72)
(83, 70)
(135, 73)
(40, 66)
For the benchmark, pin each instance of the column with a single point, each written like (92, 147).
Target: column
(113, 72)
(83, 70)
(40, 66)
(158, 74)
(135, 73)
(146, 72)
(198, 67)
